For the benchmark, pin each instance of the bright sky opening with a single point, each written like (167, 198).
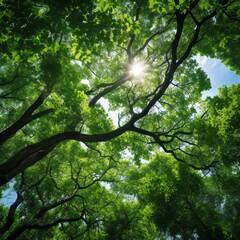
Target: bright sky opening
(138, 69)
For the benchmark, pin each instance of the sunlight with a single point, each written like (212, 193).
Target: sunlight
(138, 69)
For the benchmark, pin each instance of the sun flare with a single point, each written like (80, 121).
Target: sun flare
(138, 69)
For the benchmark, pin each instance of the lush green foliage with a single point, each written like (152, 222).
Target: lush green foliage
(93, 150)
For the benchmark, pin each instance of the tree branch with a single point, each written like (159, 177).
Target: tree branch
(12, 80)
(19, 230)
(161, 143)
(43, 210)
(113, 86)
(26, 118)
(11, 214)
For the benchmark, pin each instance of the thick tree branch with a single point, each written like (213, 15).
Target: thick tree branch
(9, 170)
(19, 230)
(7, 95)
(26, 118)
(113, 86)
(12, 80)
(231, 17)
(195, 37)
(11, 214)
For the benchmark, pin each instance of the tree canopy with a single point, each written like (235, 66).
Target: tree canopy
(104, 134)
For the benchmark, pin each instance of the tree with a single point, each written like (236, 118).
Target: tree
(60, 192)
(225, 28)
(184, 203)
(60, 62)
(221, 118)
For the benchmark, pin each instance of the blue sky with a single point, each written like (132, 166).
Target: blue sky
(218, 73)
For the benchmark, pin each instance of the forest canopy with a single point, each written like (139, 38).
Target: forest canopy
(104, 133)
